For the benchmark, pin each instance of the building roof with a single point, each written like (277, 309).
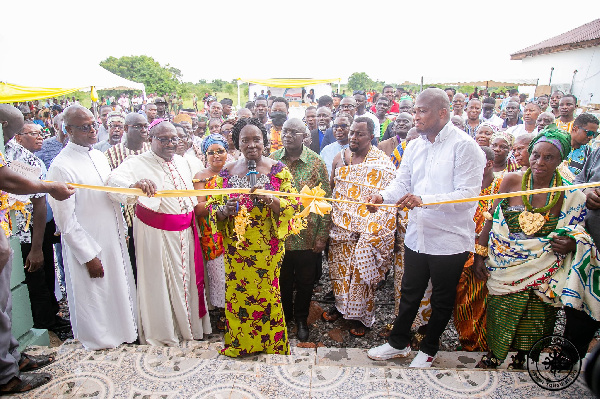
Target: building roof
(587, 35)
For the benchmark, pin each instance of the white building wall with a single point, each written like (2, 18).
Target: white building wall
(586, 61)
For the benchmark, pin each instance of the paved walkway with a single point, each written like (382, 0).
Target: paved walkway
(196, 370)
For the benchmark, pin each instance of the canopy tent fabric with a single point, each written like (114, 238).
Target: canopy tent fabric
(10, 93)
(486, 83)
(288, 83)
(58, 79)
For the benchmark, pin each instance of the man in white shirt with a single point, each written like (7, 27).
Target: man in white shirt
(530, 115)
(341, 128)
(488, 114)
(444, 164)
(100, 285)
(361, 110)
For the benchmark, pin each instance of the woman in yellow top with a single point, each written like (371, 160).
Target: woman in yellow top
(254, 315)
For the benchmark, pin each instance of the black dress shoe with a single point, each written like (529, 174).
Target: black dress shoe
(60, 324)
(302, 332)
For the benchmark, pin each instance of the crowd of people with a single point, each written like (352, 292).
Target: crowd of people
(148, 269)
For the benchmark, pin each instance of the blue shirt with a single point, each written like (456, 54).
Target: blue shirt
(49, 151)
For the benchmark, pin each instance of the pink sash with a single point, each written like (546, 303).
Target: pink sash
(170, 222)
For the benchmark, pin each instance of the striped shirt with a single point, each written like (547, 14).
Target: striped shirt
(116, 155)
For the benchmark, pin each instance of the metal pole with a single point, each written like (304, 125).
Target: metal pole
(573, 80)
(239, 95)
(338, 90)
(550, 81)
(421, 83)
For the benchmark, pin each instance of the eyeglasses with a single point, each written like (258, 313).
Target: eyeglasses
(347, 106)
(341, 126)
(32, 134)
(217, 152)
(116, 127)
(226, 131)
(140, 126)
(291, 133)
(163, 140)
(86, 128)
(359, 92)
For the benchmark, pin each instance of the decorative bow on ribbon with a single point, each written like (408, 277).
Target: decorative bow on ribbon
(314, 201)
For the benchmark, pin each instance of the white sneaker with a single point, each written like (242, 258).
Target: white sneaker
(385, 352)
(422, 360)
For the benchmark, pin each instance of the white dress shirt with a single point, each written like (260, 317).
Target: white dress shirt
(494, 120)
(450, 168)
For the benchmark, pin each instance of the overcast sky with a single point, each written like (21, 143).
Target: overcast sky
(390, 40)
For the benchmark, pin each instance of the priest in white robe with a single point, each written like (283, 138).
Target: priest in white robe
(100, 284)
(171, 299)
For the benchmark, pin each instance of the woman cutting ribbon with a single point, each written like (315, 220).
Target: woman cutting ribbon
(537, 255)
(254, 229)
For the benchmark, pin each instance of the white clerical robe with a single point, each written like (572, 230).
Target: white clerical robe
(103, 310)
(167, 294)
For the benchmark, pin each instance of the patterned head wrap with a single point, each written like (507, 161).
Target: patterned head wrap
(202, 118)
(510, 139)
(211, 139)
(114, 116)
(555, 136)
(487, 124)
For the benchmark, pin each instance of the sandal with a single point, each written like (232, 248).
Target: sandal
(359, 330)
(331, 315)
(25, 382)
(221, 326)
(31, 363)
(518, 362)
(488, 361)
(386, 331)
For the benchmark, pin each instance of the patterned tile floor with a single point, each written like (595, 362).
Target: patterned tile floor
(196, 370)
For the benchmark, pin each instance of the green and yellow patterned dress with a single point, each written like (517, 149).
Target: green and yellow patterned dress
(253, 310)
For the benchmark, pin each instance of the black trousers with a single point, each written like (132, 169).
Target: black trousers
(298, 270)
(131, 250)
(40, 283)
(580, 329)
(444, 271)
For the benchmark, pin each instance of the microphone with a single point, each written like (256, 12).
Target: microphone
(252, 177)
(252, 172)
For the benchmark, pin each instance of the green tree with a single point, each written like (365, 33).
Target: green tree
(360, 81)
(144, 69)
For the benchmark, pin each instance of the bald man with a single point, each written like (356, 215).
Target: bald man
(169, 260)
(443, 164)
(100, 285)
(302, 252)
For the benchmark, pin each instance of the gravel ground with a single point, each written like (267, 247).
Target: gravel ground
(336, 334)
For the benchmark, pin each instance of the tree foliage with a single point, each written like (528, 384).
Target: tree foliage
(144, 69)
(360, 81)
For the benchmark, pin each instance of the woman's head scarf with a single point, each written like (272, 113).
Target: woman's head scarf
(211, 139)
(555, 136)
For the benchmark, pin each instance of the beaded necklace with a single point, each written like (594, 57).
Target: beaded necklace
(531, 220)
(551, 199)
